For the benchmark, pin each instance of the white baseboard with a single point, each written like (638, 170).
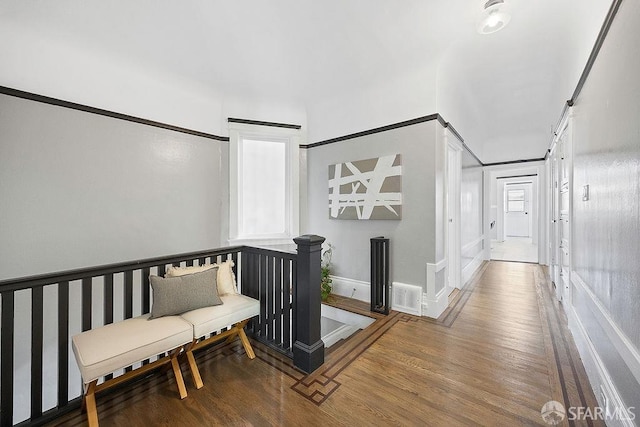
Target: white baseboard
(597, 372)
(472, 244)
(434, 307)
(434, 303)
(471, 268)
(351, 288)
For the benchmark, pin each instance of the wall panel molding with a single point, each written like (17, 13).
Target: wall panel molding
(435, 301)
(622, 344)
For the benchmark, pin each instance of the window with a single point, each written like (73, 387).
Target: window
(263, 183)
(515, 201)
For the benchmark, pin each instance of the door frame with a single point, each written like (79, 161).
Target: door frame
(530, 203)
(453, 177)
(493, 203)
(557, 156)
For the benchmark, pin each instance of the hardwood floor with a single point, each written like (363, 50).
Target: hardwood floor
(495, 357)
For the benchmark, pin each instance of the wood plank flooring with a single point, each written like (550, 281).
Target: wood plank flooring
(495, 357)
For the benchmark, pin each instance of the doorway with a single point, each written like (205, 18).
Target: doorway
(517, 221)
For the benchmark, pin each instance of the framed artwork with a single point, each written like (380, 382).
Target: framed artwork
(366, 189)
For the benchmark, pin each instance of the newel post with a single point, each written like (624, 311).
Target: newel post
(308, 349)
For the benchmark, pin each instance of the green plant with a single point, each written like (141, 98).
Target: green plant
(325, 278)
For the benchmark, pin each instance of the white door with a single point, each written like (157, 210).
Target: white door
(564, 200)
(517, 207)
(555, 217)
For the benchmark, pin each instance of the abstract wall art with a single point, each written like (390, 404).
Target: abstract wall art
(366, 189)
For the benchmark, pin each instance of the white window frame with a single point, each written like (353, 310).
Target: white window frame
(509, 200)
(292, 138)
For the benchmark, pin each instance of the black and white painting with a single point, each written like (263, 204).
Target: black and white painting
(366, 189)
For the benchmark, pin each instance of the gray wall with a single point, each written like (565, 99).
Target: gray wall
(412, 238)
(471, 187)
(606, 229)
(78, 189)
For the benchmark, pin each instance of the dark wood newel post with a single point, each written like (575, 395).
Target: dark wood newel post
(308, 349)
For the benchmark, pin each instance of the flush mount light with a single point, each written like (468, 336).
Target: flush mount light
(494, 17)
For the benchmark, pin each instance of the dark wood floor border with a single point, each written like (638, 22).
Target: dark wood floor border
(321, 384)
(318, 386)
(570, 373)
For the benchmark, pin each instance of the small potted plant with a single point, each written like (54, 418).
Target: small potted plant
(325, 279)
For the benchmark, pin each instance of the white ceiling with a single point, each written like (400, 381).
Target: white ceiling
(503, 92)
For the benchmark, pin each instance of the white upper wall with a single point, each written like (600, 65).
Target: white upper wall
(409, 96)
(504, 92)
(48, 63)
(345, 67)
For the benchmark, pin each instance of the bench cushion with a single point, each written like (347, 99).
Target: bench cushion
(235, 308)
(106, 349)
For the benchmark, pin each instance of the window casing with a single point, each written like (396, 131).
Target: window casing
(264, 184)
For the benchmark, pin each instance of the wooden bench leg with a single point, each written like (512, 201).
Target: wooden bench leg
(238, 330)
(182, 389)
(246, 344)
(193, 367)
(89, 402)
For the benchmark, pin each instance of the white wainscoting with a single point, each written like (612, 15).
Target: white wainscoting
(435, 301)
(596, 370)
(469, 269)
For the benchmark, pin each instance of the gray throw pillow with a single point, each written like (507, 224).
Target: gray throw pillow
(176, 295)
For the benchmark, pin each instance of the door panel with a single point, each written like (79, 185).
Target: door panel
(517, 205)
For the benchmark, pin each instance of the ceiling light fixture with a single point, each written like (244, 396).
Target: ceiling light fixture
(494, 17)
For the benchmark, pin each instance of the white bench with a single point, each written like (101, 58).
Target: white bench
(236, 310)
(106, 349)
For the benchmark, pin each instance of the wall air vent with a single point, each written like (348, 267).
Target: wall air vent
(407, 298)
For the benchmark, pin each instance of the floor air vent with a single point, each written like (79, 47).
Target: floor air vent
(407, 298)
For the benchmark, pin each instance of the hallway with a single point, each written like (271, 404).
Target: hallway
(495, 357)
(520, 249)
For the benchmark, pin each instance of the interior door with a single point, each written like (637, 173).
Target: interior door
(554, 243)
(516, 210)
(564, 230)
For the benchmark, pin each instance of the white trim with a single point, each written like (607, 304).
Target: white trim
(622, 344)
(598, 375)
(453, 220)
(472, 244)
(434, 304)
(292, 138)
(434, 307)
(439, 265)
(351, 288)
(472, 267)
(261, 242)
